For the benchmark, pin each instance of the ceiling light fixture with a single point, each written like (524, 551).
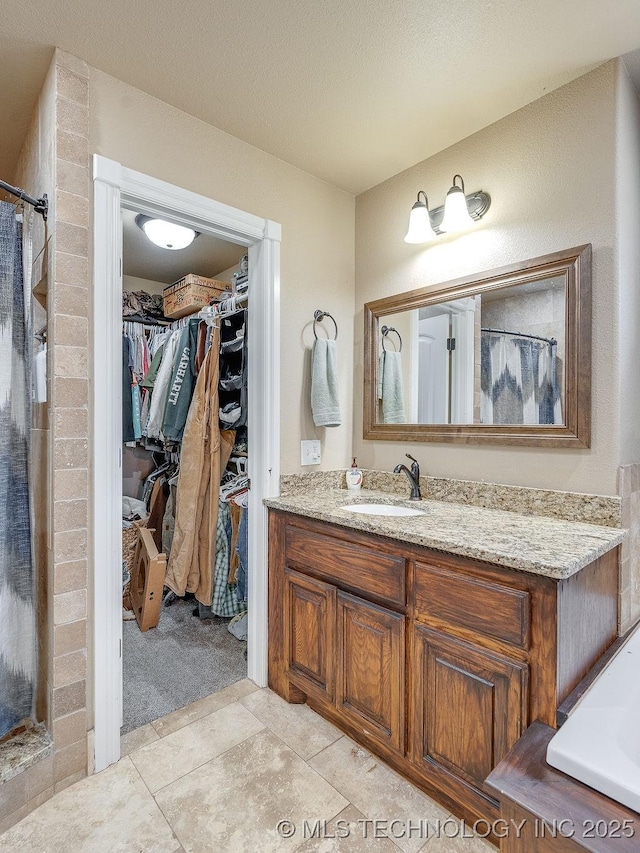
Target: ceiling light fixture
(166, 235)
(457, 213)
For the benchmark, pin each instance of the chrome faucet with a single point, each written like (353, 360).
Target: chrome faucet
(413, 476)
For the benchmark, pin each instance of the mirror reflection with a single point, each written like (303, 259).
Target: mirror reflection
(495, 357)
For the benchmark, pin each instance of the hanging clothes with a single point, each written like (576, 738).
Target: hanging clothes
(242, 550)
(224, 600)
(161, 388)
(150, 376)
(128, 431)
(236, 513)
(182, 382)
(201, 345)
(205, 451)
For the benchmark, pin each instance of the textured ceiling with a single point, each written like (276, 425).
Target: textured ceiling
(352, 91)
(206, 256)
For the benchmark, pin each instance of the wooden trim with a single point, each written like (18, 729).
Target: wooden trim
(566, 707)
(587, 617)
(575, 265)
(528, 788)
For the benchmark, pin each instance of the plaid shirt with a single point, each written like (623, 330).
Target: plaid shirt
(225, 602)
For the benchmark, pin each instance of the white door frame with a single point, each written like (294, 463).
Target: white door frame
(116, 186)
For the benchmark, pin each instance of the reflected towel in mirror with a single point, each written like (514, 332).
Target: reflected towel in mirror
(391, 388)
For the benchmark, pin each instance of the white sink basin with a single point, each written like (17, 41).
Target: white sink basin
(382, 509)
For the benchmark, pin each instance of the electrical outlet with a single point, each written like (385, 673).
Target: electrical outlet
(310, 453)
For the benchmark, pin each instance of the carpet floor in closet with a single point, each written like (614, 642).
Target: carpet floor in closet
(180, 661)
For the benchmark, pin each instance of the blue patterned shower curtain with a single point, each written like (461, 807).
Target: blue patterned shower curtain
(519, 380)
(17, 610)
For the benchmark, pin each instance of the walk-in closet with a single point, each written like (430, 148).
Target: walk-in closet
(185, 449)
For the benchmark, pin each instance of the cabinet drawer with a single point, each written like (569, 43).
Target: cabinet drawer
(362, 569)
(474, 604)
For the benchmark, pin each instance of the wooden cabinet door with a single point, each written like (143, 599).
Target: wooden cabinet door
(468, 706)
(309, 632)
(370, 687)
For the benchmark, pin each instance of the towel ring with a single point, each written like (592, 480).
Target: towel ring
(385, 331)
(318, 317)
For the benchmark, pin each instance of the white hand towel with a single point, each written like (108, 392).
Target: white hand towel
(392, 389)
(325, 403)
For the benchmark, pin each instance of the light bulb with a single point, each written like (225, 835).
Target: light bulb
(168, 235)
(456, 213)
(420, 229)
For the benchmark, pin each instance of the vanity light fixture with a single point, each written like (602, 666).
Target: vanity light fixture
(457, 213)
(166, 235)
(420, 228)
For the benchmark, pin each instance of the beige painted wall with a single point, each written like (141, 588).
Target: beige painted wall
(132, 282)
(227, 275)
(317, 221)
(628, 263)
(549, 169)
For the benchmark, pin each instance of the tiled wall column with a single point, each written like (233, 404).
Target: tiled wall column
(55, 159)
(629, 491)
(69, 364)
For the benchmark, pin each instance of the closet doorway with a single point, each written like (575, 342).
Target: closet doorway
(184, 635)
(120, 193)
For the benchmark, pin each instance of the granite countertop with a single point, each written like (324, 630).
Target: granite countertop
(541, 546)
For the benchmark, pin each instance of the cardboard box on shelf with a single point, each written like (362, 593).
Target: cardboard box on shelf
(190, 294)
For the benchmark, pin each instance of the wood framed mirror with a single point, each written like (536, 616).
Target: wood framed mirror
(503, 357)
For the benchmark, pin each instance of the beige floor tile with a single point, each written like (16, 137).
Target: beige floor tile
(111, 811)
(137, 738)
(177, 754)
(234, 803)
(348, 833)
(183, 716)
(376, 790)
(297, 725)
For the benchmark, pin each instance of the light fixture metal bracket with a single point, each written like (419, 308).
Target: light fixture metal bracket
(478, 204)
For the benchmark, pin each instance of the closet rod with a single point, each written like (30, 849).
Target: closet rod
(220, 309)
(40, 205)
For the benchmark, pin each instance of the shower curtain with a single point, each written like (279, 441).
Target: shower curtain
(17, 610)
(519, 381)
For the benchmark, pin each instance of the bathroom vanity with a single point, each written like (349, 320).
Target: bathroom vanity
(435, 640)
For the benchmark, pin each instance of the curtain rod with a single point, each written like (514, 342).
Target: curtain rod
(551, 341)
(40, 205)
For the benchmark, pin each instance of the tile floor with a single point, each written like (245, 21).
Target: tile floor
(221, 773)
